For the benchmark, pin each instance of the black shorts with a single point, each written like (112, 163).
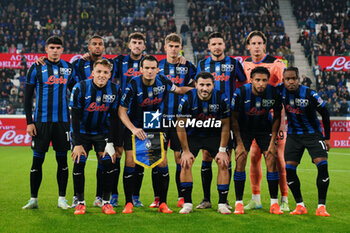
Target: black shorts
(128, 140)
(296, 145)
(262, 139)
(175, 144)
(55, 132)
(97, 141)
(119, 133)
(211, 144)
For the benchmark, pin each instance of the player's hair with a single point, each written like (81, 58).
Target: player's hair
(173, 37)
(215, 35)
(137, 36)
(149, 58)
(256, 33)
(292, 68)
(95, 37)
(103, 62)
(260, 70)
(54, 40)
(204, 75)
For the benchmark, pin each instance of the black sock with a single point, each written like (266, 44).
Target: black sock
(36, 173)
(128, 181)
(293, 182)
(177, 179)
(322, 181)
(138, 174)
(163, 173)
(223, 192)
(239, 179)
(116, 177)
(186, 189)
(79, 177)
(273, 180)
(107, 177)
(62, 172)
(155, 181)
(207, 176)
(99, 180)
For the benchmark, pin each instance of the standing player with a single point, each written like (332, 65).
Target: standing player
(180, 75)
(204, 103)
(144, 93)
(228, 73)
(126, 68)
(92, 100)
(251, 105)
(304, 131)
(256, 44)
(51, 117)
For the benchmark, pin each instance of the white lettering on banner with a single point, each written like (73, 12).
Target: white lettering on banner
(341, 143)
(10, 137)
(339, 63)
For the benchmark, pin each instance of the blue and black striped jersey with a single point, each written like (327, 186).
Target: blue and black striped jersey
(125, 69)
(216, 108)
(94, 104)
(301, 107)
(180, 75)
(254, 110)
(139, 98)
(226, 73)
(51, 82)
(83, 68)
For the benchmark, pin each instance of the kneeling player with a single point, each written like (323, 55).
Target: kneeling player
(251, 105)
(204, 104)
(91, 101)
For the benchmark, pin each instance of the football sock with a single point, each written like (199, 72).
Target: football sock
(155, 182)
(107, 177)
(36, 173)
(99, 179)
(128, 182)
(273, 180)
(177, 179)
(186, 189)
(223, 191)
(163, 173)
(322, 181)
(79, 178)
(116, 177)
(62, 172)
(207, 176)
(293, 182)
(239, 179)
(138, 174)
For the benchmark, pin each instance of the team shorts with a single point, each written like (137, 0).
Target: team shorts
(175, 144)
(97, 141)
(119, 134)
(211, 144)
(55, 132)
(128, 140)
(296, 145)
(262, 139)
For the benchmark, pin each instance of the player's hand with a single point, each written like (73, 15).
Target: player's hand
(181, 60)
(31, 130)
(139, 133)
(187, 159)
(272, 151)
(222, 158)
(240, 151)
(86, 57)
(41, 61)
(109, 149)
(328, 144)
(77, 152)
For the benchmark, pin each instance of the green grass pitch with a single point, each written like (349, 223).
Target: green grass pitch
(15, 163)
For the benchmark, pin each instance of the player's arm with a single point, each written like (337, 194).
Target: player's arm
(28, 100)
(109, 149)
(274, 131)
(241, 78)
(41, 60)
(181, 90)
(225, 133)
(240, 150)
(322, 110)
(123, 115)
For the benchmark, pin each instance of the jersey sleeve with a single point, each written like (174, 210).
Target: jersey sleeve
(75, 98)
(239, 72)
(316, 100)
(236, 101)
(199, 69)
(225, 107)
(31, 76)
(183, 108)
(191, 74)
(128, 95)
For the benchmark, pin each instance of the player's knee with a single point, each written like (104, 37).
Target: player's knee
(206, 156)
(222, 166)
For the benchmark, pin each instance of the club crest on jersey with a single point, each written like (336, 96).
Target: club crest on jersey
(213, 107)
(65, 71)
(301, 102)
(135, 65)
(268, 103)
(98, 99)
(55, 72)
(181, 70)
(258, 104)
(217, 69)
(150, 94)
(205, 110)
(158, 90)
(291, 101)
(172, 72)
(227, 67)
(108, 98)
